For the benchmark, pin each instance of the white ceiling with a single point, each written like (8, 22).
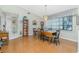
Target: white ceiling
(51, 9)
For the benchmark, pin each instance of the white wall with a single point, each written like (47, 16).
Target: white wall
(78, 28)
(78, 32)
(69, 35)
(20, 12)
(13, 10)
(3, 19)
(78, 36)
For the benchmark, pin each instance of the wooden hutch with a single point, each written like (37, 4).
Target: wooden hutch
(25, 26)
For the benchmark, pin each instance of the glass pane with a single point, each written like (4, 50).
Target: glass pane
(67, 23)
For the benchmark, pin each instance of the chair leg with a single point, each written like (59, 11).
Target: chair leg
(51, 40)
(56, 42)
(59, 42)
(0, 47)
(1, 51)
(43, 38)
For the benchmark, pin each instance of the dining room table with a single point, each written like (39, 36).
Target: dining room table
(48, 34)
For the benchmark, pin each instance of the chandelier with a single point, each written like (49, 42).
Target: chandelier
(45, 16)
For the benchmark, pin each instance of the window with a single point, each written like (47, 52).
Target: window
(67, 23)
(62, 23)
(55, 24)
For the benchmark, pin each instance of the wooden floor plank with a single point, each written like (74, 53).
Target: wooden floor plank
(34, 45)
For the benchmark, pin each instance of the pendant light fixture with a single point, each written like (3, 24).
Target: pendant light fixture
(45, 16)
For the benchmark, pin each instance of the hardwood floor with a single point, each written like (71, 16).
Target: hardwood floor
(33, 45)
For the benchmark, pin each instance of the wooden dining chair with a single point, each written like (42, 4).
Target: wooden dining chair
(56, 37)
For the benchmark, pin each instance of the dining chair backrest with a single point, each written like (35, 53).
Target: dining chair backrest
(57, 34)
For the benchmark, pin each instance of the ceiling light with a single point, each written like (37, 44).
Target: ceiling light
(45, 16)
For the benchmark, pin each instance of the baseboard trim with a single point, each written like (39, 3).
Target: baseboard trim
(69, 40)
